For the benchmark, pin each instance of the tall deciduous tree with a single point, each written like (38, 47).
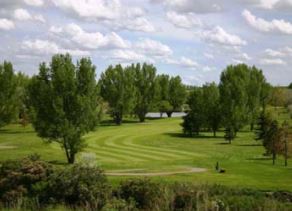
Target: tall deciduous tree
(145, 89)
(234, 97)
(9, 95)
(195, 118)
(64, 101)
(177, 94)
(211, 107)
(117, 88)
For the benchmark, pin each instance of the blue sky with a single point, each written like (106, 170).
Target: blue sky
(195, 39)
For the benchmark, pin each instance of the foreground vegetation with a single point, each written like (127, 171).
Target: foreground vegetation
(158, 146)
(33, 185)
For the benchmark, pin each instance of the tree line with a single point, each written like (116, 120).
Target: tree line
(64, 101)
(137, 89)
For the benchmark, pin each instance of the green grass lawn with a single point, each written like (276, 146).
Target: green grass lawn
(157, 146)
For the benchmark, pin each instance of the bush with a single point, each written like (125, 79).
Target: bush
(145, 193)
(77, 186)
(18, 178)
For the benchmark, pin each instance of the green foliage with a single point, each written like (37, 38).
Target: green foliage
(144, 192)
(18, 178)
(64, 102)
(164, 107)
(9, 95)
(194, 119)
(117, 88)
(243, 90)
(177, 93)
(211, 107)
(77, 186)
(290, 86)
(278, 97)
(146, 89)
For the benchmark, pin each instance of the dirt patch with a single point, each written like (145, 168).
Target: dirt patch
(7, 147)
(151, 174)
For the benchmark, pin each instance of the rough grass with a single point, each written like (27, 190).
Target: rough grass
(158, 146)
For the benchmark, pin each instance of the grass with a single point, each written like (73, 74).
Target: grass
(158, 146)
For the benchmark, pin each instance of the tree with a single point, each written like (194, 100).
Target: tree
(287, 136)
(233, 96)
(117, 88)
(211, 106)
(274, 140)
(177, 94)
(277, 97)
(145, 89)
(9, 95)
(290, 86)
(256, 83)
(263, 124)
(64, 102)
(164, 107)
(195, 118)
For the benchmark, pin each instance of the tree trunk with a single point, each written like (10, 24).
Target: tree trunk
(161, 114)
(274, 158)
(214, 133)
(251, 126)
(141, 117)
(118, 118)
(169, 114)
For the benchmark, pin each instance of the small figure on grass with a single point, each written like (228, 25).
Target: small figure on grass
(218, 169)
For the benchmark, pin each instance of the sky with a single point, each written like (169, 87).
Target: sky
(195, 39)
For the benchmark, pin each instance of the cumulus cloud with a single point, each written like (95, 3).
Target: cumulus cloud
(90, 40)
(183, 21)
(267, 61)
(220, 36)
(127, 55)
(46, 47)
(24, 15)
(185, 6)
(111, 12)
(6, 24)
(279, 26)
(281, 52)
(153, 48)
(183, 62)
(36, 3)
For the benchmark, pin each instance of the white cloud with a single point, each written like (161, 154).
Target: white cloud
(153, 48)
(266, 61)
(45, 47)
(90, 40)
(220, 36)
(111, 12)
(183, 62)
(273, 53)
(36, 3)
(6, 24)
(183, 21)
(128, 56)
(279, 26)
(209, 56)
(185, 6)
(24, 15)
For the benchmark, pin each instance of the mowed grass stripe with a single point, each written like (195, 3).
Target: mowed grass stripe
(109, 145)
(130, 142)
(119, 143)
(120, 156)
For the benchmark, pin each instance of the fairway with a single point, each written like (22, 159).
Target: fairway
(157, 148)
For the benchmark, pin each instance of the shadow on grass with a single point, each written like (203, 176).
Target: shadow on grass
(263, 158)
(181, 135)
(58, 162)
(106, 123)
(224, 143)
(250, 145)
(6, 131)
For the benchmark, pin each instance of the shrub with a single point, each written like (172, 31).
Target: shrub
(77, 186)
(18, 177)
(144, 192)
